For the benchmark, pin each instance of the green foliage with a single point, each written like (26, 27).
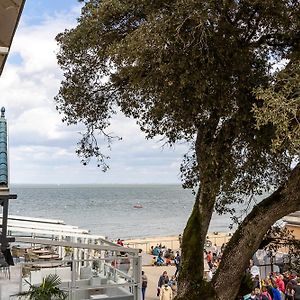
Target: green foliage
(281, 107)
(48, 290)
(183, 69)
(295, 265)
(68, 250)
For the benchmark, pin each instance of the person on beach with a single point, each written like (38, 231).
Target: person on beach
(296, 288)
(215, 251)
(209, 259)
(168, 261)
(180, 240)
(160, 261)
(161, 281)
(256, 282)
(253, 296)
(173, 284)
(265, 294)
(166, 292)
(276, 292)
(280, 283)
(269, 287)
(223, 247)
(144, 285)
(153, 261)
(156, 250)
(177, 261)
(289, 292)
(120, 242)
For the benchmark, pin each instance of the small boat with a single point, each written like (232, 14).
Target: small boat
(138, 205)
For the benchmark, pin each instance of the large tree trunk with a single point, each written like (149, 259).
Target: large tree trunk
(250, 233)
(240, 249)
(194, 238)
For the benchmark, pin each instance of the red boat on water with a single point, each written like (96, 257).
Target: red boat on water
(138, 205)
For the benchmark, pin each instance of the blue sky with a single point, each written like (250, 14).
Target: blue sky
(42, 148)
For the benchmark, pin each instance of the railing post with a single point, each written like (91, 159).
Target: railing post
(137, 275)
(73, 279)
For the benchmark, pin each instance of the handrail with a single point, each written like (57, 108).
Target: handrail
(76, 245)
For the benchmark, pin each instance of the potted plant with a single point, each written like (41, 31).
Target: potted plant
(68, 251)
(47, 290)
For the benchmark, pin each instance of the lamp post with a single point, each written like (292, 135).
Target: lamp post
(271, 256)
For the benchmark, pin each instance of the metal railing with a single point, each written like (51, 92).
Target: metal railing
(91, 270)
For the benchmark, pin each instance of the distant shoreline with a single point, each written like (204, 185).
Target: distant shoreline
(56, 185)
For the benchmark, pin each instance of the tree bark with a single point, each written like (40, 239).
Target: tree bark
(248, 236)
(194, 237)
(241, 247)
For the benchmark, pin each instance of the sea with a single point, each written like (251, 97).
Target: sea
(108, 210)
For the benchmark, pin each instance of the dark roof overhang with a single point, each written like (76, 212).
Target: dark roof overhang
(10, 12)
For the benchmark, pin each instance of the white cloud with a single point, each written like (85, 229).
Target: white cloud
(41, 146)
(38, 121)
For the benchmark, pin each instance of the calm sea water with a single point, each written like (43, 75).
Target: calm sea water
(108, 209)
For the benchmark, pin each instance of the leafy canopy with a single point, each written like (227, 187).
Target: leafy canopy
(186, 70)
(281, 107)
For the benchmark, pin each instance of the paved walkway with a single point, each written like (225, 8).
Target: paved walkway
(153, 274)
(10, 287)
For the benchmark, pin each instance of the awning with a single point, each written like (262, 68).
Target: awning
(10, 12)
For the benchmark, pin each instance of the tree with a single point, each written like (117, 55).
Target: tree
(281, 107)
(187, 70)
(48, 290)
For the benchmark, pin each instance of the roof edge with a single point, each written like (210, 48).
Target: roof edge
(13, 34)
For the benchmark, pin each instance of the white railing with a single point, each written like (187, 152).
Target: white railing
(92, 271)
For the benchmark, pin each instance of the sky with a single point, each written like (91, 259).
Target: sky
(41, 147)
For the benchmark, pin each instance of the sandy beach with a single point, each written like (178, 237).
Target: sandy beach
(172, 242)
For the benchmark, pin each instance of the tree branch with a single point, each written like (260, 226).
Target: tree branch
(246, 240)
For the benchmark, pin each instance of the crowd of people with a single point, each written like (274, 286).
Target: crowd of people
(166, 287)
(163, 256)
(213, 259)
(277, 286)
